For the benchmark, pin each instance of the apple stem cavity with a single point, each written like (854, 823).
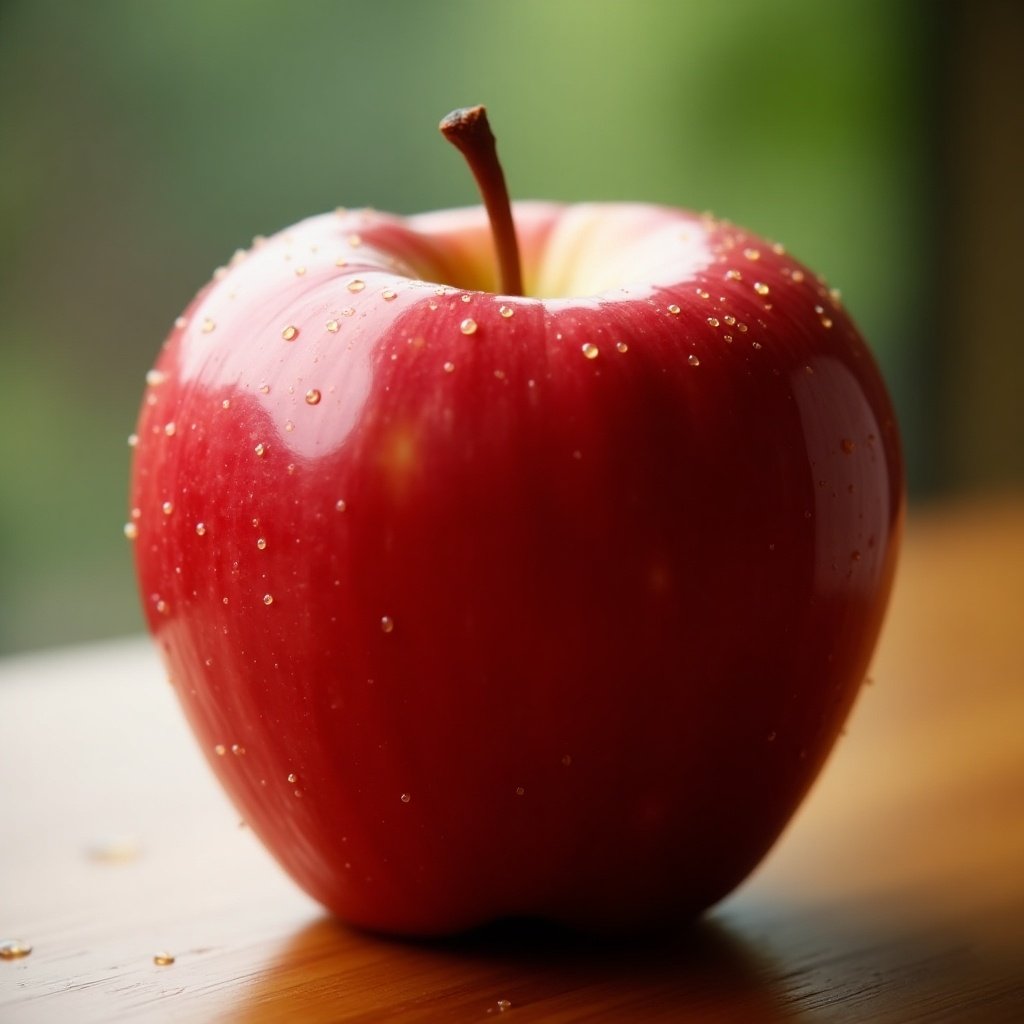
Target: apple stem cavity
(469, 131)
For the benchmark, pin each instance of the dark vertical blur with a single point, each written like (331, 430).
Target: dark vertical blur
(978, 409)
(141, 143)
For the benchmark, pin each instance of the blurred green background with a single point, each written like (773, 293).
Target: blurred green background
(141, 143)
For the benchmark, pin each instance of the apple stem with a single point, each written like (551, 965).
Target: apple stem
(469, 131)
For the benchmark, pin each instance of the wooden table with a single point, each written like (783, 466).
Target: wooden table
(896, 895)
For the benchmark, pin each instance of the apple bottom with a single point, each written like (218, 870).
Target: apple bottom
(582, 845)
(581, 780)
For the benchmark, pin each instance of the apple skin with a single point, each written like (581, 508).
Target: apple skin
(555, 613)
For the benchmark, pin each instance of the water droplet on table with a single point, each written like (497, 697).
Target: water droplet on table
(14, 949)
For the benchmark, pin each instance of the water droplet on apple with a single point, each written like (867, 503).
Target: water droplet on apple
(387, 624)
(290, 333)
(752, 254)
(356, 285)
(389, 295)
(163, 959)
(154, 378)
(355, 240)
(167, 508)
(268, 599)
(590, 350)
(133, 440)
(180, 323)
(237, 749)
(674, 309)
(468, 326)
(293, 778)
(733, 275)
(131, 530)
(449, 367)
(208, 326)
(761, 288)
(405, 798)
(332, 326)
(506, 311)
(621, 346)
(503, 1005)
(797, 276)
(200, 529)
(261, 543)
(712, 321)
(170, 429)
(312, 397)
(339, 505)
(220, 750)
(520, 791)
(260, 450)
(693, 360)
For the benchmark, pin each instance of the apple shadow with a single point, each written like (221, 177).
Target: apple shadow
(331, 972)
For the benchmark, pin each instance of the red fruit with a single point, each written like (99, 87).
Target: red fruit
(484, 605)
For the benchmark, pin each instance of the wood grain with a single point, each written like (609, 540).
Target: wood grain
(896, 895)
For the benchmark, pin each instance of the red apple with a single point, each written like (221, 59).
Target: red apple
(487, 604)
